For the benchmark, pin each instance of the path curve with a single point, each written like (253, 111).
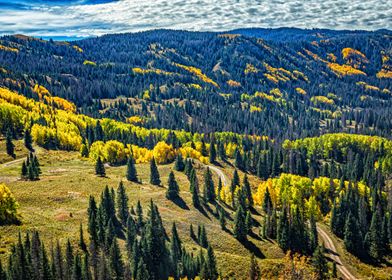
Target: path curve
(328, 243)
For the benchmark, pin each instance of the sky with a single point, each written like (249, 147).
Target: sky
(85, 18)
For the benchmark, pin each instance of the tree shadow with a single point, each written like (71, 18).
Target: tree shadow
(255, 236)
(253, 211)
(180, 203)
(250, 246)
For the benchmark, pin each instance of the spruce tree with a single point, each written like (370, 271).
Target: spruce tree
(175, 246)
(100, 168)
(24, 171)
(209, 189)
(212, 152)
(240, 225)
(211, 271)
(221, 151)
(28, 141)
(267, 202)
(254, 271)
(173, 189)
(202, 236)
(179, 164)
(188, 167)
(82, 244)
(373, 237)
(194, 188)
(131, 170)
(319, 262)
(122, 204)
(248, 222)
(283, 233)
(222, 219)
(247, 189)
(313, 236)
(154, 173)
(10, 147)
(235, 182)
(116, 265)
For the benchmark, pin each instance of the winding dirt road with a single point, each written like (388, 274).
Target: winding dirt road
(328, 243)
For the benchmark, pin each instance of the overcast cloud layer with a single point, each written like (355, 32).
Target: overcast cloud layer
(81, 18)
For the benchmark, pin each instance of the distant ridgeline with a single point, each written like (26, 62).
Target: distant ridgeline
(282, 83)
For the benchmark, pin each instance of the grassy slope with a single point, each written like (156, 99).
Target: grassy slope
(57, 204)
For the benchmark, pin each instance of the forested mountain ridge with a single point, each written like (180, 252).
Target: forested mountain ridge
(324, 81)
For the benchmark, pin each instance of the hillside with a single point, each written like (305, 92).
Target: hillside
(320, 81)
(251, 154)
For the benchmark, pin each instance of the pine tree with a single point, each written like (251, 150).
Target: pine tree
(142, 272)
(100, 168)
(319, 262)
(77, 268)
(154, 173)
(211, 271)
(188, 167)
(131, 170)
(69, 260)
(248, 222)
(267, 202)
(235, 182)
(116, 265)
(352, 235)
(247, 189)
(130, 234)
(373, 239)
(122, 204)
(240, 225)
(283, 233)
(175, 246)
(221, 151)
(202, 236)
(28, 141)
(10, 147)
(222, 219)
(209, 189)
(82, 244)
(313, 236)
(179, 164)
(254, 271)
(194, 187)
(212, 152)
(238, 160)
(173, 189)
(24, 171)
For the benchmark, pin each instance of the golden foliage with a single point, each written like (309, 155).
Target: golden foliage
(344, 70)
(141, 71)
(300, 91)
(8, 49)
(135, 120)
(197, 72)
(354, 57)
(77, 48)
(232, 83)
(384, 74)
(322, 99)
(163, 153)
(250, 68)
(89, 63)
(254, 109)
(8, 206)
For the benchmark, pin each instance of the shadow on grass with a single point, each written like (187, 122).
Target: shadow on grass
(255, 236)
(250, 246)
(180, 203)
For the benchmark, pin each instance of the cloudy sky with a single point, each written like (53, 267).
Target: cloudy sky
(81, 18)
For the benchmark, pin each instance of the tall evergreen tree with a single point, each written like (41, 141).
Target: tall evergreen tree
(100, 168)
(154, 173)
(373, 240)
(179, 164)
(10, 147)
(209, 189)
(320, 263)
(173, 189)
(194, 187)
(240, 225)
(122, 204)
(247, 189)
(28, 140)
(116, 265)
(131, 170)
(212, 152)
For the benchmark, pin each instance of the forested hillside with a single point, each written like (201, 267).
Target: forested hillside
(285, 86)
(252, 154)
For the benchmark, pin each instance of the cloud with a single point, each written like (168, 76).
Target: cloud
(97, 17)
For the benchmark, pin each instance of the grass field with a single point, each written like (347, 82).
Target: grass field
(57, 204)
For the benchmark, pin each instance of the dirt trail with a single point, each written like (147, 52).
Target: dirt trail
(328, 243)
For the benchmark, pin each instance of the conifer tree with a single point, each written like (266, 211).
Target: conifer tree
(10, 147)
(69, 260)
(175, 247)
(84, 151)
(320, 263)
(313, 236)
(267, 202)
(235, 182)
(238, 160)
(131, 235)
(202, 236)
(209, 189)
(24, 170)
(28, 141)
(122, 204)
(221, 151)
(82, 244)
(283, 233)
(179, 164)
(173, 189)
(254, 271)
(247, 189)
(131, 170)
(212, 152)
(222, 219)
(210, 271)
(100, 168)
(194, 187)
(77, 268)
(188, 167)
(116, 265)
(240, 225)
(154, 173)
(373, 237)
